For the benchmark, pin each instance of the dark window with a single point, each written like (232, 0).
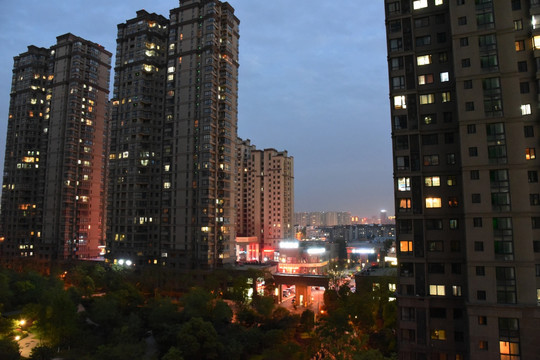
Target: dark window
(396, 63)
(506, 285)
(524, 87)
(471, 129)
(456, 268)
(400, 122)
(522, 66)
(477, 222)
(434, 224)
(537, 270)
(489, 62)
(535, 221)
(481, 295)
(536, 246)
(534, 199)
(447, 117)
(516, 4)
(395, 26)
(451, 159)
(475, 174)
(469, 106)
(467, 84)
(482, 320)
(449, 138)
(421, 22)
(465, 62)
(435, 268)
(478, 246)
(459, 336)
(475, 198)
(431, 139)
(440, 19)
(462, 20)
(423, 40)
(431, 160)
(528, 131)
(532, 176)
(438, 313)
(443, 57)
(435, 246)
(441, 37)
(464, 41)
(518, 24)
(393, 8)
(402, 142)
(485, 20)
(473, 151)
(480, 271)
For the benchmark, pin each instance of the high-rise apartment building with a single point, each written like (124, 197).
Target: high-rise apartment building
(464, 106)
(264, 197)
(54, 170)
(174, 138)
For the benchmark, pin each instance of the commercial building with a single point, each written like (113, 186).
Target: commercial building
(174, 138)
(264, 201)
(464, 106)
(54, 171)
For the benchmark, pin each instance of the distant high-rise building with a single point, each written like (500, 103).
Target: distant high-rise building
(174, 138)
(265, 196)
(54, 171)
(324, 218)
(464, 105)
(383, 217)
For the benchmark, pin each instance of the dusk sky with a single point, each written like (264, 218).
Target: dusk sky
(313, 81)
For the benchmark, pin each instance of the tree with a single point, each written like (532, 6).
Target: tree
(42, 352)
(9, 349)
(197, 339)
(173, 354)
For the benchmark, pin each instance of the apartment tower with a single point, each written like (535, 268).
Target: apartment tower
(464, 107)
(54, 170)
(175, 125)
(265, 197)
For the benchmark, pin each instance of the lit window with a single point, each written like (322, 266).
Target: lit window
(436, 290)
(535, 21)
(425, 79)
(446, 97)
(530, 153)
(432, 181)
(404, 184)
(405, 246)
(427, 99)
(438, 334)
(526, 109)
(433, 202)
(170, 69)
(536, 42)
(404, 204)
(420, 4)
(456, 290)
(399, 102)
(166, 185)
(423, 60)
(445, 77)
(439, 2)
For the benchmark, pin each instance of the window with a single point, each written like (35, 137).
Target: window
(425, 79)
(435, 246)
(506, 285)
(485, 20)
(427, 99)
(465, 62)
(471, 129)
(526, 109)
(536, 246)
(453, 224)
(398, 82)
(449, 138)
(519, 45)
(489, 62)
(487, 42)
(534, 199)
(421, 22)
(439, 2)
(438, 334)
(480, 271)
(431, 160)
(482, 345)
(524, 87)
(444, 76)
(404, 204)
(518, 24)
(396, 44)
(535, 221)
(522, 66)
(509, 338)
(423, 60)
(393, 8)
(420, 4)
(528, 131)
(404, 184)
(446, 97)
(433, 202)
(400, 102)
(435, 268)
(481, 295)
(473, 151)
(405, 246)
(402, 162)
(475, 174)
(436, 290)
(469, 106)
(467, 84)
(537, 270)
(462, 20)
(450, 159)
(441, 37)
(434, 224)
(532, 176)
(530, 153)
(464, 41)
(423, 40)
(443, 57)
(453, 201)
(475, 198)
(396, 63)
(477, 222)
(478, 246)
(516, 5)
(407, 313)
(400, 122)
(438, 313)
(456, 290)
(395, 26)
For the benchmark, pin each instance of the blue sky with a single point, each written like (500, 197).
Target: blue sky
(313, 81)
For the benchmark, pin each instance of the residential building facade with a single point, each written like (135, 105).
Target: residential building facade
(464, 107)
(54, 170)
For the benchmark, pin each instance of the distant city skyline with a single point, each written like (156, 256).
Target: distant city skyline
(311, 82)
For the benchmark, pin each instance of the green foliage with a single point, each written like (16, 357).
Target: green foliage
(42, 352)
(264, 305)
(197, 339)
(9, 349)
(173, 354)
